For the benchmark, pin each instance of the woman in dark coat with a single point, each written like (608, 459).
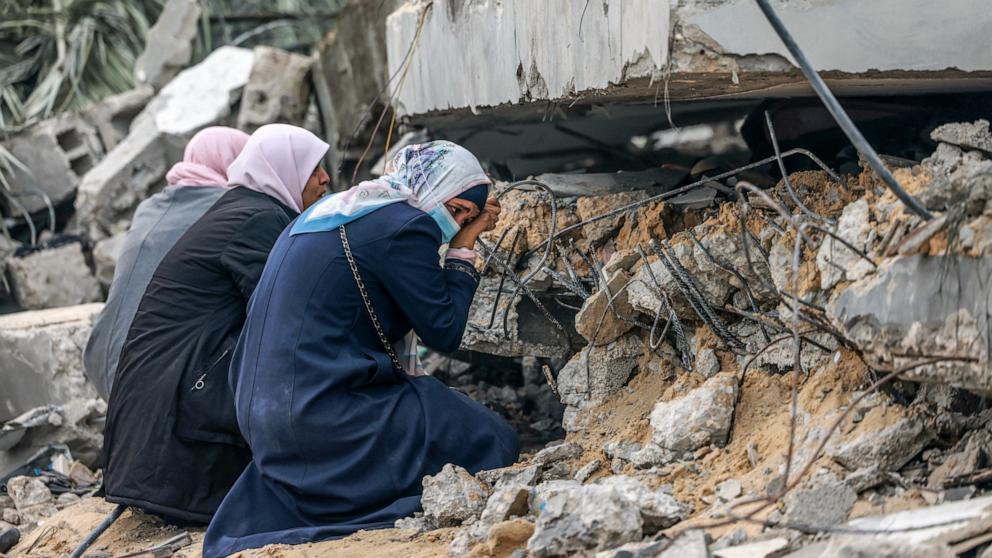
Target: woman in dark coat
(194, 184)
(172, 445)
(341, 435)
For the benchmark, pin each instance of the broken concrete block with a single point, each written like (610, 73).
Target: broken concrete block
(700, 418)
(42, 362)
(822, 500)
(530, 332)
(861, 546)
(53, 154)
(53, 277)
(278, 89)
(728, 490)
(199, 96)
(928, 305)
(836, 261)
(587, 206)
(112, 116)
(595, 373)
(582, 520)
(969, 135)
(510, 476)
(559, 452)
(32, 498)
(889, 448)
(453, 496)
(607, 314)
(105, 255)
(505, 503)
(644, 457)
(691, 544)
(11, 516)
(587, 470)
(658, 509)
(168, 43)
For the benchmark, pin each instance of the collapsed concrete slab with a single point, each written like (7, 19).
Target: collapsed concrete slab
(923, 305)
(199, 96)
(565, 50)
(53, 155)
(168, 44)
(52, 277)
(278, 89)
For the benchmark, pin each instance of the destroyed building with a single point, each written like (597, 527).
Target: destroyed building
(716, 328)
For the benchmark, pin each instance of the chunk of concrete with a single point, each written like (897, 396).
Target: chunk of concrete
(698, 419)
(707, 363)
(505, 503)
(969, 135)
(53, 277)
(168, 43)
(836, 261)
(595, 373)
(888, 448)
(453, 496)
(199, 96)
(607, 314)
(32, 498)
(821, 501)
(112, 116)
(558, 452)
(278, 89)
(105, 255)
(691, 544)
(658, 509)
(52, 155)
(930, 305)
(580, 521)
(510, 476)
(43, 362)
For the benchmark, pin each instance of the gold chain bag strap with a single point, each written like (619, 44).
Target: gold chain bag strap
(367, 301)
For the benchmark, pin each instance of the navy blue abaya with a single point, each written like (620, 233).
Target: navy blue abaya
(340, 438)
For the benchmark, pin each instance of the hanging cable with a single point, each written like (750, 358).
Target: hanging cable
(843, 120)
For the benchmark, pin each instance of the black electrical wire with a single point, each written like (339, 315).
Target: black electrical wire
(828, 98)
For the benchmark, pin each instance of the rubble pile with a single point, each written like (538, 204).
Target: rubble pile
(676, 360)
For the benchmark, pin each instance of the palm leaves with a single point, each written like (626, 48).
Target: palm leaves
(57, 55)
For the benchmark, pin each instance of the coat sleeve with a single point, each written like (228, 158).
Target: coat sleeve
(245, 255)
(435, 299)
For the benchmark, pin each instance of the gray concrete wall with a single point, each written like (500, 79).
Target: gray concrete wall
(480, 53)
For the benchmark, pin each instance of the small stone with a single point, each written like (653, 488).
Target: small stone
(557, 471)
(9, 536)
(32, 498)
(587, 470)
(700, 418)
(865, 478)
(11, 516)
(510, 476)
(420, 524)
(556, 453)
(733, 538)
(506, 536)
(453, 496)
(707, 363)
(728, 490)
(821, 501)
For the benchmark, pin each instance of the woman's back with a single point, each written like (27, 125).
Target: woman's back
(174, 364)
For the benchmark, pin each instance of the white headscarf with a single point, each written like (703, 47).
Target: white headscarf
(277, 161)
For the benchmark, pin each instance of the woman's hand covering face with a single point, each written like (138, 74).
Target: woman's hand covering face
(486, 221)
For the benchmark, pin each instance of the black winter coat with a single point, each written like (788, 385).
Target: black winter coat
(172, 445)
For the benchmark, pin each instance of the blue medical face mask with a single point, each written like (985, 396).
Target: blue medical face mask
(443, 218)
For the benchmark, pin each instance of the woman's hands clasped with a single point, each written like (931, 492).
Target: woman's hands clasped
(485, 221)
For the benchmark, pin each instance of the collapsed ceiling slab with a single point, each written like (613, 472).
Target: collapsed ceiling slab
(494, 53)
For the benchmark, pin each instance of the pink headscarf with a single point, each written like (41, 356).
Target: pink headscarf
(207, 156)
(277, 161)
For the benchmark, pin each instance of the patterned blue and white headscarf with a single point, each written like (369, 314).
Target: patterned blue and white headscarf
(424, 175)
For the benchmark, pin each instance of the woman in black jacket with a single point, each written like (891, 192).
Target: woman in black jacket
(172, 445)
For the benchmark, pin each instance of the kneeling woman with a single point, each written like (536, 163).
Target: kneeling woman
(341, 432)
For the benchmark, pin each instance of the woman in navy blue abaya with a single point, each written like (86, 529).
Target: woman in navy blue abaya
(340, 435)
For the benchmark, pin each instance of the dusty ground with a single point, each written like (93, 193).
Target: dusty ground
(136, 531)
